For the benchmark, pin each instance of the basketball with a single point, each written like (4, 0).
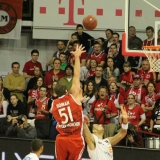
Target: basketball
(90, 22)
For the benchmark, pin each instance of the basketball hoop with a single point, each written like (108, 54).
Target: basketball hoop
(154, 58)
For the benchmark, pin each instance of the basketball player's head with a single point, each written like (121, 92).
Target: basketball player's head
(149, 31)
(60, 89)
(98, 128)
(37, 146)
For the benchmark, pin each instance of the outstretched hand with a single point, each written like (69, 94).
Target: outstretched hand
(124, 115)
(79, 50)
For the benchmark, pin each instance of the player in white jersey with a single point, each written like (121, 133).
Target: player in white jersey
(36, 150)
(99, 148)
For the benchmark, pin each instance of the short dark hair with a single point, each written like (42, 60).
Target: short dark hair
(62, 53)
(61, 41)
(109, 30)
(34, 51)
(101, 38)
(132, 27)
(74, 34)
(79, 25)
(14, 64)
(36, 144)
(60, 89)
(116, 34)
(127, 64)
(57, 59)
(150, 28)
(43, 86)
(113, 45)
(14, 95)
(95, 43)
(70, 67)
(76, 42)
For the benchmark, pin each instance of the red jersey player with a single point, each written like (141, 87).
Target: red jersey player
(67, 110)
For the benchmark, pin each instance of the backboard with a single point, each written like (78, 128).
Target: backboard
(140, 14)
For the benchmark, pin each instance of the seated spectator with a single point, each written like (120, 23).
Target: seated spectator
(61, 48)
(4, 90)
(89, 95)
(100, 40)
(111, 69)
(136, 115)
(116, 55)
(33, 81)
(41, 103)
(42, 121)
(148, 102)
(83, 37)
(109, 36)
(3, 106)
(74, 37)
(15, 82)
(97, 78)
(21, 129)
(134, 42)
(97, 54)
(121, 89)
(67, 80)
(145, 74)
(15, 108)
(150, 39)
(63, 59)
(32, 96)
(28, 70)
(117, 99)
(132, 139)
(54, 74)
(102, 108)
(137, 90)
(127, 76)
(91, 68)
(155, 120)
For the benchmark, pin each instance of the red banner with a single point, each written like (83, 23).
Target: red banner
(10, 19)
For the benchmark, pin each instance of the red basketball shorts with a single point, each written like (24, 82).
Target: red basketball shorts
(69, 147)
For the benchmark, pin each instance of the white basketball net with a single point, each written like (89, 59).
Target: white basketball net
(154, 60)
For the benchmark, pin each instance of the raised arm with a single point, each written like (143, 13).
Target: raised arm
(75, 89)
(115, 139)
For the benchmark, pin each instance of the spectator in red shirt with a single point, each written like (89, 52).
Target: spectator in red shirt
(145, 74)
(136, 115)
(28, 70)
(102, 108)
(97, 54)
(150, 39)
(149, 101)
(33, 95)
(137, 90)
(157, 85)
(54, 74)
(127, 75)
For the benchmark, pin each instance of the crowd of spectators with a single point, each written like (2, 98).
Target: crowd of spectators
(108, 79)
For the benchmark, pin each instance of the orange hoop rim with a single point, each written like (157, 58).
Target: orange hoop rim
(151, 47)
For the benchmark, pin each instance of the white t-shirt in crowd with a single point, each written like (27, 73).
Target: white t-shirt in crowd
(31, 156)
(103, 149)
